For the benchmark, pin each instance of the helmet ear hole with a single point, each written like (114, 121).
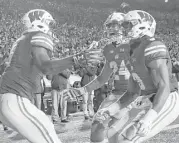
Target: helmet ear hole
(142, 28)
(40, 26)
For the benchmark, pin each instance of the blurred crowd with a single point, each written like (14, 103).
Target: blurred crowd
(76, 26)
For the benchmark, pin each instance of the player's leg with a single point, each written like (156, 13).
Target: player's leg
(20, 114)
(165, 117)
(98, 128)
(115, 125)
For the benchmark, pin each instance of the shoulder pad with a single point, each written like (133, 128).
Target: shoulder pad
(42, 40)
(155, 50)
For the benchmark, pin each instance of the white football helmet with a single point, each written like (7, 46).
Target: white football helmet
(112, 25)
(38, 20)
(139, 23)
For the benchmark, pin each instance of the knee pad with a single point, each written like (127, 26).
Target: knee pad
(97, 132)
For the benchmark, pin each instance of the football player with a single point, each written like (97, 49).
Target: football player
(151, 78)
(152, 70)
(30, 57)
(116, 52)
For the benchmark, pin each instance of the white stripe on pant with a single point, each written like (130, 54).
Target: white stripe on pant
(21, 115)
(166, 116)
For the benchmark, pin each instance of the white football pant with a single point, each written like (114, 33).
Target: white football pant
(166, 116)
(21, 115)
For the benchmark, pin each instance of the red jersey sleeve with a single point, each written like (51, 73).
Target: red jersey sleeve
(42, 40)
(156, 50)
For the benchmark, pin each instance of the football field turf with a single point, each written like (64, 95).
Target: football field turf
(78, 130)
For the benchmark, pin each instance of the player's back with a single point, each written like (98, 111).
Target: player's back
(19, 77)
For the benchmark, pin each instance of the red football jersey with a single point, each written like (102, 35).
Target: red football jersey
(22, 77)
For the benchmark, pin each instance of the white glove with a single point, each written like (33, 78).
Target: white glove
(144, 125)
(105, 113)
(111, 109)
(102, 116)
(89, 56)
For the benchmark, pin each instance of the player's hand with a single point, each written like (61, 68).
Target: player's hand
(145, 123)
(91, 56)
(143, 128)
(105, 114)
(111, 109)
(102, 116)
(94, 56)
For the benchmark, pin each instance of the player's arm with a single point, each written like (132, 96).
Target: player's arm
(90, 70)
(100, 80)
(160, 75)
(156, 57)
(48, 66)
(42, 44)
(42, 47)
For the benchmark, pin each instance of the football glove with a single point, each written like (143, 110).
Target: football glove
(90, 56)
(102, 116)
(111, 109)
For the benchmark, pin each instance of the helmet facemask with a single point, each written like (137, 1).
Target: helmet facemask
(112, 26)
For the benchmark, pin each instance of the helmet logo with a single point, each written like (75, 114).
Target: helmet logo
(36, 15)
(146, 18)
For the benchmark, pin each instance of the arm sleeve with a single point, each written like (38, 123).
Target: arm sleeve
(42, 40)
